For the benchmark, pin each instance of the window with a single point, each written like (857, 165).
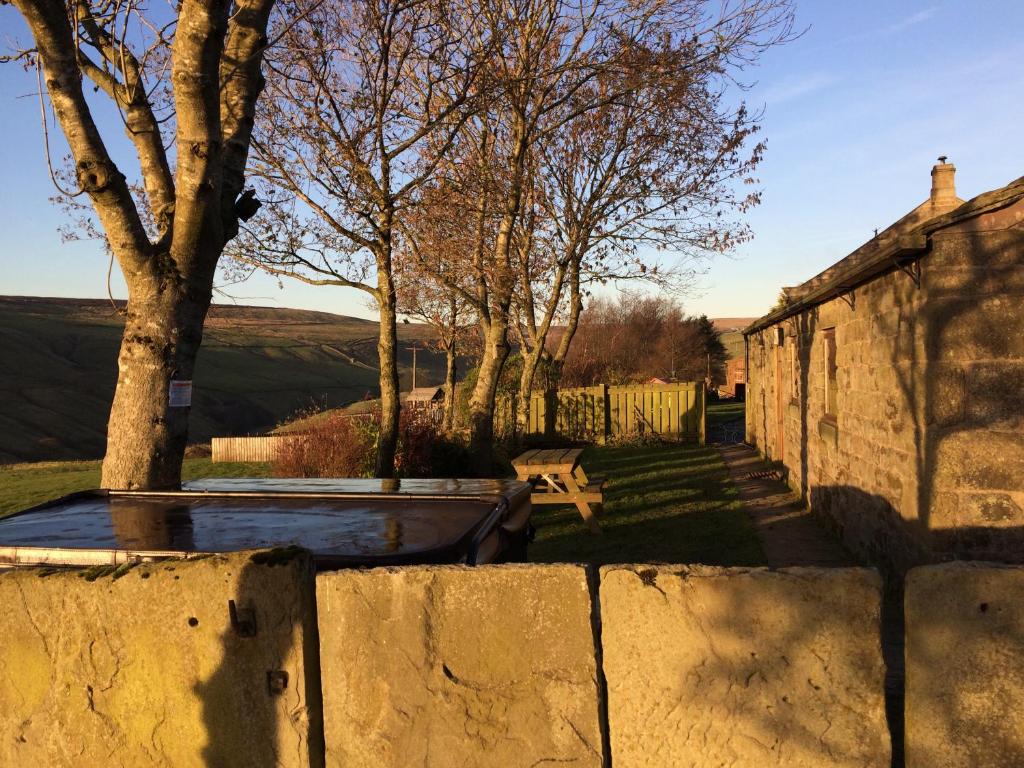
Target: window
(794, 371)
(831, 382)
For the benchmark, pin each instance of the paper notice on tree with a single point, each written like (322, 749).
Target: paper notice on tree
(180, 394)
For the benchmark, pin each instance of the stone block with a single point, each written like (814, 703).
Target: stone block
(143, 666)
(965, 666)
(979, 459)
(450, 666)
(743, 667)
(995, 394)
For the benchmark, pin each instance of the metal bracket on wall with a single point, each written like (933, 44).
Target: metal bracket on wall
(911, 268)
(850, 298)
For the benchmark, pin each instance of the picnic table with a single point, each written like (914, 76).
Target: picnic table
(558, 478)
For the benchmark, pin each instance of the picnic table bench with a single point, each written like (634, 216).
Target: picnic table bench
(558, 478)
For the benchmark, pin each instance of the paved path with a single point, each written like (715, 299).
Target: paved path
(789, 533)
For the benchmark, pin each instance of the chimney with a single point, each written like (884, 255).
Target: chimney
(943, 186)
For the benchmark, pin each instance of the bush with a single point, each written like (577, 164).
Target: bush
(334, 446)
(346, 446)
(424, 451)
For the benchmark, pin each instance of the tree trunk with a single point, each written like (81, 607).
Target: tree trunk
(146, 435)
(530, 362)
(387, 353)
(481, 404)
(448, 417)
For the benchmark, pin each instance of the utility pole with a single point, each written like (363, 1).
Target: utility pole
(413, 350)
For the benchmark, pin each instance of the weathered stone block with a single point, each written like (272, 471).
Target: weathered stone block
(995, 394)
(144, 667)
(448, 666)
(963, 329)
(743, 667)
(965, 666)
(979, 459)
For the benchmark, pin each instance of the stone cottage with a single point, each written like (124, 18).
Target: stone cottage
(890, 387)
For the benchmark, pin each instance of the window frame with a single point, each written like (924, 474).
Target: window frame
(830, 373)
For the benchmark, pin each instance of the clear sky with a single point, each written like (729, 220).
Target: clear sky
(855, 113)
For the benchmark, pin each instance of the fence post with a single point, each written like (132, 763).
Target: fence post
(702, 392)
(604, 407)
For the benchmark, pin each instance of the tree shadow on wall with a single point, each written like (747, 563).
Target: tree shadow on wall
(252, 707)
(775, 668)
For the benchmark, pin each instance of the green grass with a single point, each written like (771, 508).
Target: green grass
(663, 504)
(725, 411)
(25, 485)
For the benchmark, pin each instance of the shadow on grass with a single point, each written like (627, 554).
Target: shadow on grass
(663, 504)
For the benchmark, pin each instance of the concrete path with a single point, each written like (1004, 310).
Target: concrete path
(789, 533)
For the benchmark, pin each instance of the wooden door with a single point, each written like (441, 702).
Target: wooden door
(780, 403)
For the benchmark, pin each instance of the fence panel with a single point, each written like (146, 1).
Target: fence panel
(595, 413)
(263, 448)
(672, 410)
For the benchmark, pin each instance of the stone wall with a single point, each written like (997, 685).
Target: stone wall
(451, 666)
(924, 457)
(746, 668)
(145, 667)
(653, 666)
(965, 666)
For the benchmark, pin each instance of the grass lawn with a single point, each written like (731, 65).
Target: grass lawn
(663, 504)
(25, 485)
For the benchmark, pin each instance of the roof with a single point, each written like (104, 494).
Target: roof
(424, 394)
(901, 243)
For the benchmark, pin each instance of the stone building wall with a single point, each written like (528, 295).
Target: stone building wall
(924, 458)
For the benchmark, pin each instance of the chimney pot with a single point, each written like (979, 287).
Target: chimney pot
(943, 184)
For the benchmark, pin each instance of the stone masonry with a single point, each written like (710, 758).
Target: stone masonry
(922, 457)
(144, 666)
(453, 666)
(710, 667)
(965, 666)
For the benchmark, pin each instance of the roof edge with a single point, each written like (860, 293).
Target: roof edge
(906, 247)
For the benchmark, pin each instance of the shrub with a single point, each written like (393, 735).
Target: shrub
(345, 446)
(334, 446)
(424, 451)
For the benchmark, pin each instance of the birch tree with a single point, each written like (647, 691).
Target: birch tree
(363, 104)
(185, 88)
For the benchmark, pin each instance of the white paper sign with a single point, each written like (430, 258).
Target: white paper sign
(180, 394)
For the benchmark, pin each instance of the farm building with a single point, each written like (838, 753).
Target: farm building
(891, 386)
(424, 397)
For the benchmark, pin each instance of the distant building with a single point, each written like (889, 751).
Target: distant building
(424, 396)
(891, 385)
(656, 380)
(735, 379)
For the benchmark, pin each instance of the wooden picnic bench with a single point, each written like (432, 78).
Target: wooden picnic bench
(558, 478)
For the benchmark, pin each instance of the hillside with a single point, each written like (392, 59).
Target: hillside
(257, 366)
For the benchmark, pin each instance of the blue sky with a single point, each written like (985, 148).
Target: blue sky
(855, 113)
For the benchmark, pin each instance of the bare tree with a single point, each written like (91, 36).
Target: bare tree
(186, 89)
(449, 316)
(658, 168)
(364, 101)
(568, 72)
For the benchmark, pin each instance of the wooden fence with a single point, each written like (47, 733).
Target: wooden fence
(675, 411)
(261, 448)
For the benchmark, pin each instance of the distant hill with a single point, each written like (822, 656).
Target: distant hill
(726, 324)
(257, 367)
